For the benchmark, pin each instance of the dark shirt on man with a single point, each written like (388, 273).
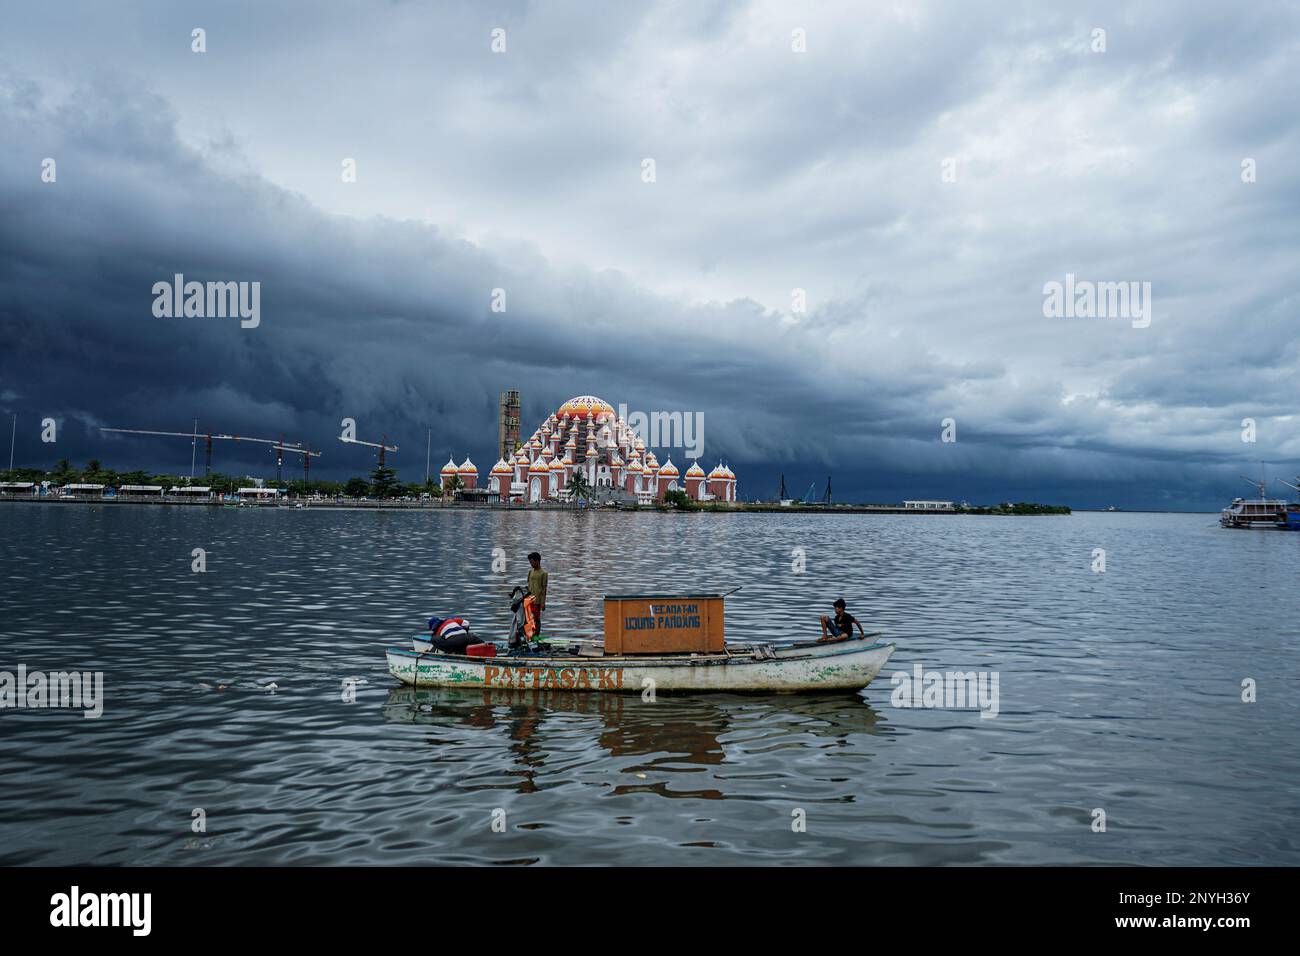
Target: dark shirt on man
(843, 623)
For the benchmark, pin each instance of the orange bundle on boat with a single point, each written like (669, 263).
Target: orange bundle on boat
(530, 617)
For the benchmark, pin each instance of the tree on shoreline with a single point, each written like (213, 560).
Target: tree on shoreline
(383, 482)
(578, 487)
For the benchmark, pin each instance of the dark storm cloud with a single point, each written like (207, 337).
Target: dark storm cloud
(777, 172)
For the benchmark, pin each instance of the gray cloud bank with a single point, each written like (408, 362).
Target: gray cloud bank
(824, 174)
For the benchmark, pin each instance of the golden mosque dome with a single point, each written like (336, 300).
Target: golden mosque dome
(580, 406)
(695, 471)
(668, 469)
(450, 468)
(501, 468)
(467, 467)
(541, 466)
(557, 465)
(719, 472)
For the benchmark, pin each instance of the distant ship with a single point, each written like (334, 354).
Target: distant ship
(1261, 512)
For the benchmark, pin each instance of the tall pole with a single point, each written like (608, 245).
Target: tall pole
(428, 447)
(13, 434)
(194, 444)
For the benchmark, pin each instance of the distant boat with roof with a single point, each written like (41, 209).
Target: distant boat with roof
(1261, 512)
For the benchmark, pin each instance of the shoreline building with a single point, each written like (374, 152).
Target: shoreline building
(585, 436)
(466, 471)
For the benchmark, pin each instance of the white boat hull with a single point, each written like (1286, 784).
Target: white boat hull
(847, 665)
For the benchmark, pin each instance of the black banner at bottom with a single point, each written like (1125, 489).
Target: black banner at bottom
(337, 905)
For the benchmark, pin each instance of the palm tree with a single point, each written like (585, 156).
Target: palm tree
(451, 486)
(578, 487)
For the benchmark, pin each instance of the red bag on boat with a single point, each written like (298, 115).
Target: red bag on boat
(481, 650)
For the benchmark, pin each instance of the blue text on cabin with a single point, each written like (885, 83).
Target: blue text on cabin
(666, 617)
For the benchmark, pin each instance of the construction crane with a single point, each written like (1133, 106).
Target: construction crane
(280, 446)
(381, 445)
(1260, 485)
(1295, 487)
(827, 498)
(297, 449)
(807, 498)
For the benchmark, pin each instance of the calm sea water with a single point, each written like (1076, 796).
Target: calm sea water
(1118, 690)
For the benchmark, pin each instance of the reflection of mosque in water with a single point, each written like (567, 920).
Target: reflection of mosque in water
(677, 733)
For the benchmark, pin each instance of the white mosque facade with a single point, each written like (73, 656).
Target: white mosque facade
(586, 436)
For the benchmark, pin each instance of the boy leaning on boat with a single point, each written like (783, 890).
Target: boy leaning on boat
(840, 626)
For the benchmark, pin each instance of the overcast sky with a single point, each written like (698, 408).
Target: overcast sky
(919, 170)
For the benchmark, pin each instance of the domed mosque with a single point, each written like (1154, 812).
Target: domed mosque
(587, 436)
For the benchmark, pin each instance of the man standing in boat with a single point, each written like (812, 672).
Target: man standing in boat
(840, 626)
(535, 603)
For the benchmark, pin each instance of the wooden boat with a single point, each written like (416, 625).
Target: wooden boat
(845, 665)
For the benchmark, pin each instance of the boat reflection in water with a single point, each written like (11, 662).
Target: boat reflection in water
(687, 734)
